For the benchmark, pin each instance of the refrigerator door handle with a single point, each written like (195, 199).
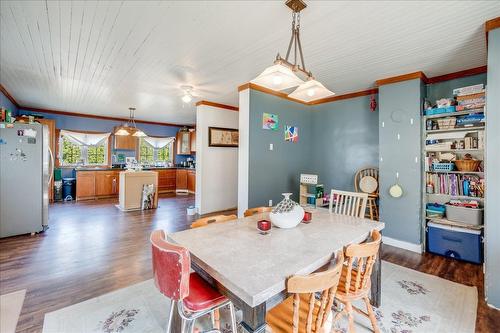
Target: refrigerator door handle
(51, 173)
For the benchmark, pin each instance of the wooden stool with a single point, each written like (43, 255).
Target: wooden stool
(372, 208)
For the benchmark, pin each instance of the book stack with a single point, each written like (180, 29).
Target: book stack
(455, 184)
(470, 98)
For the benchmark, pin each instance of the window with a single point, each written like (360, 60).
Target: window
(156, 150)
(83, 148)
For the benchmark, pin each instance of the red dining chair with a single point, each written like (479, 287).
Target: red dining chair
(188, 291)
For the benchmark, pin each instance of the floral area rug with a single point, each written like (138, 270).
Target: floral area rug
(411, 302)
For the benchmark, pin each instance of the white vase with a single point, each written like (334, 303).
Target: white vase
(287, 214)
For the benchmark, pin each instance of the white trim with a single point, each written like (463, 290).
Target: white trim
(402, 244)
(243, 150)
(491, 306)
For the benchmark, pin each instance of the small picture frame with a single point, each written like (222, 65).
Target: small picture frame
(223, 137)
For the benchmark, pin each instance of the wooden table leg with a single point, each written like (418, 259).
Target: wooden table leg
(376, 290)
(254, 319)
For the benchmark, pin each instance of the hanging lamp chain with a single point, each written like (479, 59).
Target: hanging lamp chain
(297, 48)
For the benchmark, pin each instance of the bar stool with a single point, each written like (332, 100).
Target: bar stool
(192, 295)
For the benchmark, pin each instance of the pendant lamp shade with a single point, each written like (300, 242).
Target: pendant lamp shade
(139, 133)
(277, 77)
(122, 131)
(311, 90)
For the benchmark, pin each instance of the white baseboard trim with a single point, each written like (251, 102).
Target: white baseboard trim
(402, 244)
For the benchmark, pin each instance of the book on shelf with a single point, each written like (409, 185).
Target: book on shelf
(455, 184)
(470, 107)
(474, 89)
(470, 96)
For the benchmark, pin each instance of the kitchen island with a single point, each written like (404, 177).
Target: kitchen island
(131, 189)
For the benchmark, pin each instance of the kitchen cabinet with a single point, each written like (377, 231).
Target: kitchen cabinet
(191, 181)
(125, 142)
(181, 180)
(166, 180)
(193, 142)
(106, 183)
(85, 185)
(183, 141)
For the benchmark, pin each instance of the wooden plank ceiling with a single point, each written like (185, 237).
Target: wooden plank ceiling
(100, 57)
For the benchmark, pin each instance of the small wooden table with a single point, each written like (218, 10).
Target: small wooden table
(251, 269)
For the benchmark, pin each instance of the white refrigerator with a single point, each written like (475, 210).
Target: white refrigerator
(26, 168)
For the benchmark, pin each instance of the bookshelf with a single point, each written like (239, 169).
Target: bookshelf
(459, 139)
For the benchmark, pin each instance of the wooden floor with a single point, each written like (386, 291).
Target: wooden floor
(93, 248)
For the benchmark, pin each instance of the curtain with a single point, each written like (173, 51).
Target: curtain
(158, 143)
(85, 139)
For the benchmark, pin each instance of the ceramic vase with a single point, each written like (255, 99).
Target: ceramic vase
(287, 214)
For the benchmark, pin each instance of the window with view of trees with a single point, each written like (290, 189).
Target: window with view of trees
(150, 154)
(72, 152)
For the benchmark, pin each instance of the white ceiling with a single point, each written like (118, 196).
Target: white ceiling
(100, 57)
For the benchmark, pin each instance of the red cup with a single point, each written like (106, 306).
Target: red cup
(307, 217)
(264, 226)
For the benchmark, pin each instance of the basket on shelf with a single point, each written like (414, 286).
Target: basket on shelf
(443, 166)
(467, 165)
(447, 123)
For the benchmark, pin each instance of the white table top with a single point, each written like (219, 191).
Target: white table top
(255, 267)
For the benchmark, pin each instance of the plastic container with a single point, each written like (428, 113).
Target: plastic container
(472, 216)
(69, 189)
(191, 210)
(448, 109)
(443, 166)
(455, 242)
(435, 210)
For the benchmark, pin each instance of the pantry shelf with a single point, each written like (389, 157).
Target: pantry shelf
(454, 150)
(460, 129)
(453, 114)
(454, 223)
(459, 172)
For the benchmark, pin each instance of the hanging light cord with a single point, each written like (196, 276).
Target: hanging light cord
(297, 47)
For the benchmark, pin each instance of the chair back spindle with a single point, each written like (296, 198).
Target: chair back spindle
(348, 203)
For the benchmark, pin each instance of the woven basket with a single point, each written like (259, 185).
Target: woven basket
(467, 165)
(447, 123)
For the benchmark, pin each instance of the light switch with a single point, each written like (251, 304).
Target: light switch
(270, 203)
(271, 146)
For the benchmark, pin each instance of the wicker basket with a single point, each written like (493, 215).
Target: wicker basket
(447, 123)
(467, 165)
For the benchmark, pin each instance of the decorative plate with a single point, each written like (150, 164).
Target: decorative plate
(396, 191)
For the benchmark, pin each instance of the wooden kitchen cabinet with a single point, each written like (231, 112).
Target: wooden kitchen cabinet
(183, 141)
(191, 181)
(166, 180)
(125, 142)
(193, 142)
(181, 180)
(106, 183)
(85, 185)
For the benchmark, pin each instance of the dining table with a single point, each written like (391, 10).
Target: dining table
(251, 268)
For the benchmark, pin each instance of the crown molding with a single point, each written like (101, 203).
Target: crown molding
(254, 86)
(400, 78)
(367, 92)
(217, 105)
(492, 24)
(9, 96)
(457, 75)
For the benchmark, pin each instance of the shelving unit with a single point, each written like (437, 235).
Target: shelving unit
(446, 134)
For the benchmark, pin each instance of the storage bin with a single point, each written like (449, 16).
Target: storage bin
(435, 210)
(448, 109)
(472, 216)
(69, 189)
(443, 166)
(455, 242)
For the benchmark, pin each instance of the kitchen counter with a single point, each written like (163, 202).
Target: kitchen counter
(119, 169)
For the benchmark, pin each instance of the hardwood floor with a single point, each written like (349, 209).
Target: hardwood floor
(93, 248)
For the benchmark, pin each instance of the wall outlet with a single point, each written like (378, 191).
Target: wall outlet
(271, 146)
(270, 203)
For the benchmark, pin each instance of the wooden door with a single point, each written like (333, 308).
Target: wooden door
(191, 181)
(193, 142)
(181, 179)
(51, 124)
(104, 183)
(85, 185)
(183, 139)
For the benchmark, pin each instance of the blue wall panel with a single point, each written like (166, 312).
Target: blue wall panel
(7, 104)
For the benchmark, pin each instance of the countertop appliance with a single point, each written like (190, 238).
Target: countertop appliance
(26, 166)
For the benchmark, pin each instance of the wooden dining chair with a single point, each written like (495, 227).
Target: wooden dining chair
(302, 312)
(257, 210)
(212, 219)
(372, 206)
(348, 203)
(355, 281)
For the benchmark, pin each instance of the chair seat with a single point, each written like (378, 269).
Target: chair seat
(202, 296)
(353, 293)
(280, 318)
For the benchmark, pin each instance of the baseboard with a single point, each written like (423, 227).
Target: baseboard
(402, 245)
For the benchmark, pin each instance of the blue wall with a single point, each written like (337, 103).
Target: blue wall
(492, 213)
(345, 139)
(444, 89)
(7, 104)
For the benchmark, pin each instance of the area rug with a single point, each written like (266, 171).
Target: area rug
(10, 309)
(411, 302)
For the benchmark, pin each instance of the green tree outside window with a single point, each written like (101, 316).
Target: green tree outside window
(71, 153)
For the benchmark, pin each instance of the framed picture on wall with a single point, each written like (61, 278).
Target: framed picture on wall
(222, 137)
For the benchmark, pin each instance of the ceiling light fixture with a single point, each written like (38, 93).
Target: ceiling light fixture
(281, 75)
(130, 128)
(188, 96)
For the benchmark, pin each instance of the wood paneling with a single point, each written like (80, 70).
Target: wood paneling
(218, 105)
(457, 75)
(400, 78)
(89, 248)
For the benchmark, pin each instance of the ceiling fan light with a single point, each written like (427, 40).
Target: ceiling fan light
(311, 90)
(277, 77)
(187, 98)
(122, 132)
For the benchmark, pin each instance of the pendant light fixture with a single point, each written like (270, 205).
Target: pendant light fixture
(130, 128)
(281, 75)
(188, 94)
